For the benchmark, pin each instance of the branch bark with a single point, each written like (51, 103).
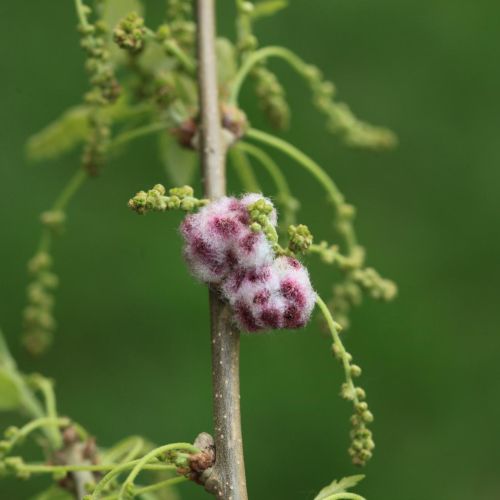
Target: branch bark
(227, 480)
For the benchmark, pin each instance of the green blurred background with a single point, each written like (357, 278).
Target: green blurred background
(132, 349)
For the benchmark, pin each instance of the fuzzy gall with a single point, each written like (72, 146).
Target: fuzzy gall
(276, 296)
(218, 239)
(265, 292)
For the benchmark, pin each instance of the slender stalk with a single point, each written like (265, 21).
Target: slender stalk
(61, 469)
(270, 165)
(227, 481)
(296, 62)
(344, 356)
(244, 170)
(181, 56)
(135, 133)
(142, 462)
(137, 466)
(47, 389)
(43, 422)
(82, 13)
(172, 47)
(128, 448)
(71, 188)
(334, 194)
(153, 487)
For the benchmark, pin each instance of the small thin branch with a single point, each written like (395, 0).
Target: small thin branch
(258, 56)
(270, 165)
(334, 194)
(244, 170)
(153, 487)
(227, 480)
(81, 10)
(135, 133)
(142, 462)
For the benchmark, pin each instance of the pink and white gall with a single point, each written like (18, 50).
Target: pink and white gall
(265, 292)
(275, 296)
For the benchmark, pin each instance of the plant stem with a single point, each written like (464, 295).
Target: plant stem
(269, 164)
(71, 188)
(181, 56)
(82, 14)
(142, 462)
(244, 170)
(51, 469)
(43, 422)
(296, 62)
(153, 487)
(334, 194)
(227, 481)
(135, 133)
(47, 389)
(344, 357)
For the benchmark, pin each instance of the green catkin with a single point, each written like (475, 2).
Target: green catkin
(270, 92)
(130, 33)
(38, 318)
(271, 97)
(155, 200)
(180, 19)
(104, 90)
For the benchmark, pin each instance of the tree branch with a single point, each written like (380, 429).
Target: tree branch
(227, 480)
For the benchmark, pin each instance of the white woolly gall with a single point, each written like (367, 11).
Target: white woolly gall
(271, 297)
(218, 239)
(265, 292)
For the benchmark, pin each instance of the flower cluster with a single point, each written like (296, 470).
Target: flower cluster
(341, 119)
(38, 318)
(223, 248)
(180, 198)
(105, 89)
(272, 97)
(278, 295)
(129, 33)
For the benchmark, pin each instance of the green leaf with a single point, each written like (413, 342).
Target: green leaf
(180, 164)
(6, 359)
(60, 136)
(71, 129)
(10, 397)
(339, 486)
(268, 8)
(226, 60)
(53, 493)
(115, 10)
(153, 59)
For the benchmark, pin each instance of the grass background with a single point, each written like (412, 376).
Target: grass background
(132, 349)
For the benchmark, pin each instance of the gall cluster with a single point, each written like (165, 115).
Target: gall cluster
(264, 291)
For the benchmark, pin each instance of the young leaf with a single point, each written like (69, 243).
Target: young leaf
(339, 486)
(10, 397)
(226, 58)
(180, 164)
(115, 10)
(53, 493)
(60, 136)
(6, 359)
(268, 8)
